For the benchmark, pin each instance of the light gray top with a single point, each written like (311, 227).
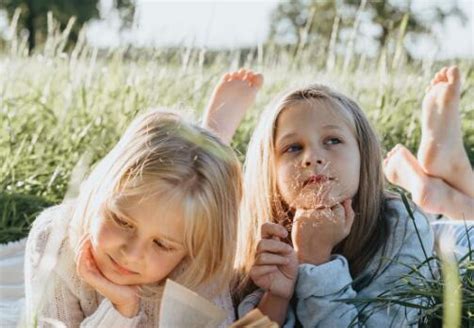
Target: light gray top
(319, 286)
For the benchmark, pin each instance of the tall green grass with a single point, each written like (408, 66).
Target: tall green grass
(56, 105)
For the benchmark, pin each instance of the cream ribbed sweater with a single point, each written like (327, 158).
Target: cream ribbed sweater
(56, 295)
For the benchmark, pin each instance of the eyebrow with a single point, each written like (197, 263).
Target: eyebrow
(332, 127)
(116, 209)
(286, 136)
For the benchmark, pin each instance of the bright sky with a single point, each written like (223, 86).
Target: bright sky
(232, 24)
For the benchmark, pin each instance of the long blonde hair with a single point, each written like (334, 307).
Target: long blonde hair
(161, 149)
(262, 202)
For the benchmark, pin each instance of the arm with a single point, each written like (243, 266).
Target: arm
(52, 285)
(320, 286)
(274, 270)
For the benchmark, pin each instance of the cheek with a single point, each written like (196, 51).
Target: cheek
(162, 265)
(285, 180)
(105, 235)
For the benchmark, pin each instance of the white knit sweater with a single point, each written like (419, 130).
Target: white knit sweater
(56, 296)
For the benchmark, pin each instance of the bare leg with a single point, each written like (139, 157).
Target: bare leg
(441, 153)
(432, 194)
(232, 97)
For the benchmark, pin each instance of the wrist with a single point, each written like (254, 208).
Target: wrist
(128, 310)
(277, 297)
(320, 257)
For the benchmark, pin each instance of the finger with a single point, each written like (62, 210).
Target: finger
(338, 212)
(82, 241)
(273, 246)
(271, 259)
(258, 271)
(270, 229)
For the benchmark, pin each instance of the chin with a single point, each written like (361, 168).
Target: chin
(311, 200)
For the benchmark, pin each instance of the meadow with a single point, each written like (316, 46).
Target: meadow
(62, 110)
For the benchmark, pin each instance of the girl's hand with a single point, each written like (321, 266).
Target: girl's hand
(316, 232)
(276, 266)
(124, 298)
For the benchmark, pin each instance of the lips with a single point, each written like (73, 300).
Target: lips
(317, 179)
(120, 268)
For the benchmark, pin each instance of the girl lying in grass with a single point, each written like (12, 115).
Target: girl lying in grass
(317, 225)
(163, 203)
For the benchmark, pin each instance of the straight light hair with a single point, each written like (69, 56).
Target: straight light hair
(262, 201)
(161, 154)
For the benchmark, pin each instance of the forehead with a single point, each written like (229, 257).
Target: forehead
(160, 214)
(314, 114)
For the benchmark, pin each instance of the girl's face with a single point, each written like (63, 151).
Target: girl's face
(316, 156)
(138, 241)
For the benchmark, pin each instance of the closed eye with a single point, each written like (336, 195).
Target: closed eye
(122, 223)
(162, 246)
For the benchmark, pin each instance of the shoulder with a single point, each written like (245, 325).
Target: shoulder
(48, 227)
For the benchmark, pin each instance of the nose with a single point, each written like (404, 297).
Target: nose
(313, 157)
(133, 251)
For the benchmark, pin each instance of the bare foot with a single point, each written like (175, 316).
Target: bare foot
(233, 95)
(402, 169)
(432, 194)
(441, 152)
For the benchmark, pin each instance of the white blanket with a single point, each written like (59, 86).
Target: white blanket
(12, 290)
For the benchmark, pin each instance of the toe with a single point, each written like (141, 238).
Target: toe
(257, 81)
(443, 74)
(233, 76)
(453, 75)
(241, 73)
(226, 77)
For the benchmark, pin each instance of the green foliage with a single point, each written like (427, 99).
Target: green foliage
(17, 212)
(441, 288)
(56, 106)
(34, 19)
(297, 21)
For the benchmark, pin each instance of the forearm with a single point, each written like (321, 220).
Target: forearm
(274, 307)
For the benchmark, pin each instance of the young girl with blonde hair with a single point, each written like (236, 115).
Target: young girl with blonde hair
(163, 203)
(316, 224)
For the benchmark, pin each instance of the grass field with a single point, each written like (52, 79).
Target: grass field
(62, 111)
(60, 108)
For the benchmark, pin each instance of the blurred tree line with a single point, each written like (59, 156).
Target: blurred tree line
(303, 21)
(292, 22)
(33, 15)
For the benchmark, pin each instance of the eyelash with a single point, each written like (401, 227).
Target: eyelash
(160, 245)
(338, 140)
(287, 149)
(122, 223)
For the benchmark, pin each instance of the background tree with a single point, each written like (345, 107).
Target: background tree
(314, 19)
(34, 15)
